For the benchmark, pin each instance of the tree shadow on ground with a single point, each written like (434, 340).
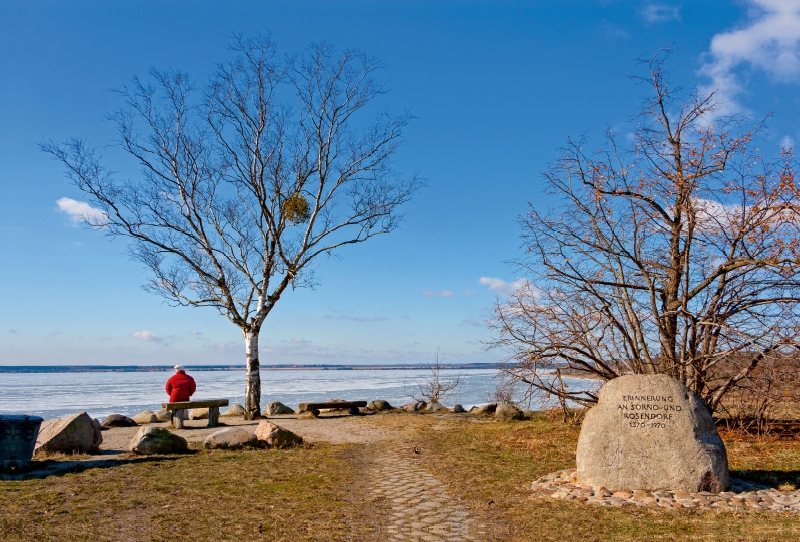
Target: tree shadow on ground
(45, 468)
(771, 478)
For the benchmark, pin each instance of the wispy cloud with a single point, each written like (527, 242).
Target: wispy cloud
(12, 331)
(356, 318)
(659, 13)
(80, 211)
(298, 340)
(229, 347)
(194, 332)
(148, 336)
(501, 287)
(613, 31)
(768, 41)
(441, 293)
(471, 322)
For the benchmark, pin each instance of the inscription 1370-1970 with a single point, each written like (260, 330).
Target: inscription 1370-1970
(648, 410)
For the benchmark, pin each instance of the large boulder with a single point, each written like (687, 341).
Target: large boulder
(157, 440)
(74, 433)
(117, 420)
(458, 409)
(414, 407)
(231, 438)
(505, 412)
(198, 414)
(276, 437)
(235, 410)
(163, 415)
(437, 407)
(491, 408)
(651, 432)
(145, 417)
(379, 405)
(276, 408)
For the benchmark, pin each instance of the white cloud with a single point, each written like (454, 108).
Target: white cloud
(787, 142)
(769, 41)
(298, 340)
(443, 293)
(660, 13)
(501, 287)
(148, 336)
(81, 211)
(194, 332)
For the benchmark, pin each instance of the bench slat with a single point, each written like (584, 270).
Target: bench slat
(304, 407)
(203, 403)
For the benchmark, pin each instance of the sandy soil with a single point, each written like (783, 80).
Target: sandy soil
(336, 429)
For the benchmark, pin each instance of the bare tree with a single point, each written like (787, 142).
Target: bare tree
(242, 187)
(672, 251)
(437, 386)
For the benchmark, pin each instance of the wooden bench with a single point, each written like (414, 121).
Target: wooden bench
(314, 408)
(177, 411)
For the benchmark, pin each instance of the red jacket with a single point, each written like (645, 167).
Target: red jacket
(180, 387)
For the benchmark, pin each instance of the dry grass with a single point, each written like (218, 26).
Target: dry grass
(492, 463)
(297, 494)
(311, 493)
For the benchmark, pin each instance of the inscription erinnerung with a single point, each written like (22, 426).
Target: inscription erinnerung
(648, 410)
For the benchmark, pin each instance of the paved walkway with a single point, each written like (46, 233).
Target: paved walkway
(421, 507)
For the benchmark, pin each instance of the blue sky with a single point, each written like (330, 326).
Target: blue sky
(496, 87)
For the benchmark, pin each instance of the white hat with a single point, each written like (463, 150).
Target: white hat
(180, 368)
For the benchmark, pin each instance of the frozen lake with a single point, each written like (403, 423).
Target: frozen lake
(102, 393)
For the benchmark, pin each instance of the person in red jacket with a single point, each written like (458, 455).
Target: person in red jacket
(181, 386)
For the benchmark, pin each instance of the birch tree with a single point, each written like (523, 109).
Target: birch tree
(244, 183)
(673, 250)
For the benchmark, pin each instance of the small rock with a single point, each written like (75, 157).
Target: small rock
(163, 415)
(436, 407)
(415, 407)
(276, 437)
(307, 415)
(506, 413)
(277, 408)
(235, 410)
(458, 409)
(485, 409)
(117, 420)
(157, 440)
(230, 438)
(379, 405)
(145, 417)
(198, 414)
(75, 433)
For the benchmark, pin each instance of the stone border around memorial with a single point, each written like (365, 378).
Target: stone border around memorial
(744, 495)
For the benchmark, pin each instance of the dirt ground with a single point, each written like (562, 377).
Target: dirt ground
(333, 428)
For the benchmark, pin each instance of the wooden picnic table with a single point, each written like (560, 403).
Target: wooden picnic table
(351, 406)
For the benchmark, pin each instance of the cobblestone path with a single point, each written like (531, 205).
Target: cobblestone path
(421, 507)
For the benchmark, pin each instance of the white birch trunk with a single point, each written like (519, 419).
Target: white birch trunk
(252, 392)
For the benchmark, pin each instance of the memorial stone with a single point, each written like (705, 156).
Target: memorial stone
(651, 432)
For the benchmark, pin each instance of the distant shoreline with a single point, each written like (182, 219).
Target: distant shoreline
(163, 368)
